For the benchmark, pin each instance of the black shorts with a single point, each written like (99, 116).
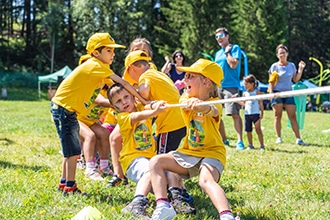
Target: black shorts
(170, 141)
(249, 119)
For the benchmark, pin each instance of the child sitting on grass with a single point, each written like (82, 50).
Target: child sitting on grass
(203, 153)
(138, 144)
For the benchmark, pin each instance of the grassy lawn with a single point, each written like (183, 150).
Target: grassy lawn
(284, 182)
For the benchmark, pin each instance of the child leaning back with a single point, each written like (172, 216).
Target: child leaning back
(203, 153)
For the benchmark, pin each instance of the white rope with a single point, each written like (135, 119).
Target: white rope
(319, 90)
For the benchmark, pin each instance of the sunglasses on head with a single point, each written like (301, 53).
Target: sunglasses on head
(221, 35)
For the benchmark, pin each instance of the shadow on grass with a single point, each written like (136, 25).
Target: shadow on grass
(8, 141)
(318, 145)
(6, 164)
(288, 151)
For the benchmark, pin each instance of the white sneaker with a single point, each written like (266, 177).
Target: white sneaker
(278, 140)
(93, 174)
(301, 142)
(163, 213)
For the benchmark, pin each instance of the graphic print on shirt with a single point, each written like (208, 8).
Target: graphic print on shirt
(92, 99)
(143, 137)
(196, 132)
(96, 112)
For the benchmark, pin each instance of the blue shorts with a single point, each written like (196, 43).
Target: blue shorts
(284, 101)
(249, 119)
(67, 128)
(170, 141)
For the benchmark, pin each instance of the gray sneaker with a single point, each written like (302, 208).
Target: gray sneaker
(182, 202)
(137, 207)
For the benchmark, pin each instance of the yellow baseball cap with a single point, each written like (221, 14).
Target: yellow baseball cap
(131, 58)
(98, 40)
(207, 68)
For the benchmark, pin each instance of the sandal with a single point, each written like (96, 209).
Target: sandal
(115, 181)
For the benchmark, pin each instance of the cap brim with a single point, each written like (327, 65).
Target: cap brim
(115, 45)
(188, 69)
(194, 70)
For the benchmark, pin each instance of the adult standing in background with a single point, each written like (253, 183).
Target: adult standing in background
(281, 75)
(170, 69)
(229, 59)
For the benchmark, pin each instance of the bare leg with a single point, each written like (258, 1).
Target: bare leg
(238, 126)
(89, 141)
(70, 164)
(249, 136)
(158, 165)
(257, 126)
(291, 112)
(222, 130)
(278, 108)
(207, 181)
(116, 146)
(102, 135)
(143, 187)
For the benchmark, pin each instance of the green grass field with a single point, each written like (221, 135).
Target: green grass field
(284, 182)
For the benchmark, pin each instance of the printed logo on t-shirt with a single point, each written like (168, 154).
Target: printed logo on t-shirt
(96, 112)
(143, 137)
(196, 134)
(92, 99)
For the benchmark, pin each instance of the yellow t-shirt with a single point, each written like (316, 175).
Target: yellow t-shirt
(203, 137)
(163, 88)
(137, 139)
(78, 91)
(131, 81)
(111, 117)
(93, 113)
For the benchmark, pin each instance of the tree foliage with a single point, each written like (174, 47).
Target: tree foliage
(36, 33)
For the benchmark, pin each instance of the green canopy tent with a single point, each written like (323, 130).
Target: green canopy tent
(53, 77)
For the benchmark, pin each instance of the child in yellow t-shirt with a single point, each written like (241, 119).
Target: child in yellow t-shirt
(138, 43)
(95, 137)
(138, 144)
(170, 127)
(203, 153)
(75, 94)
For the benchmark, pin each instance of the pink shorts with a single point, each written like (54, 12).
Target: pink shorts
(110, 127)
